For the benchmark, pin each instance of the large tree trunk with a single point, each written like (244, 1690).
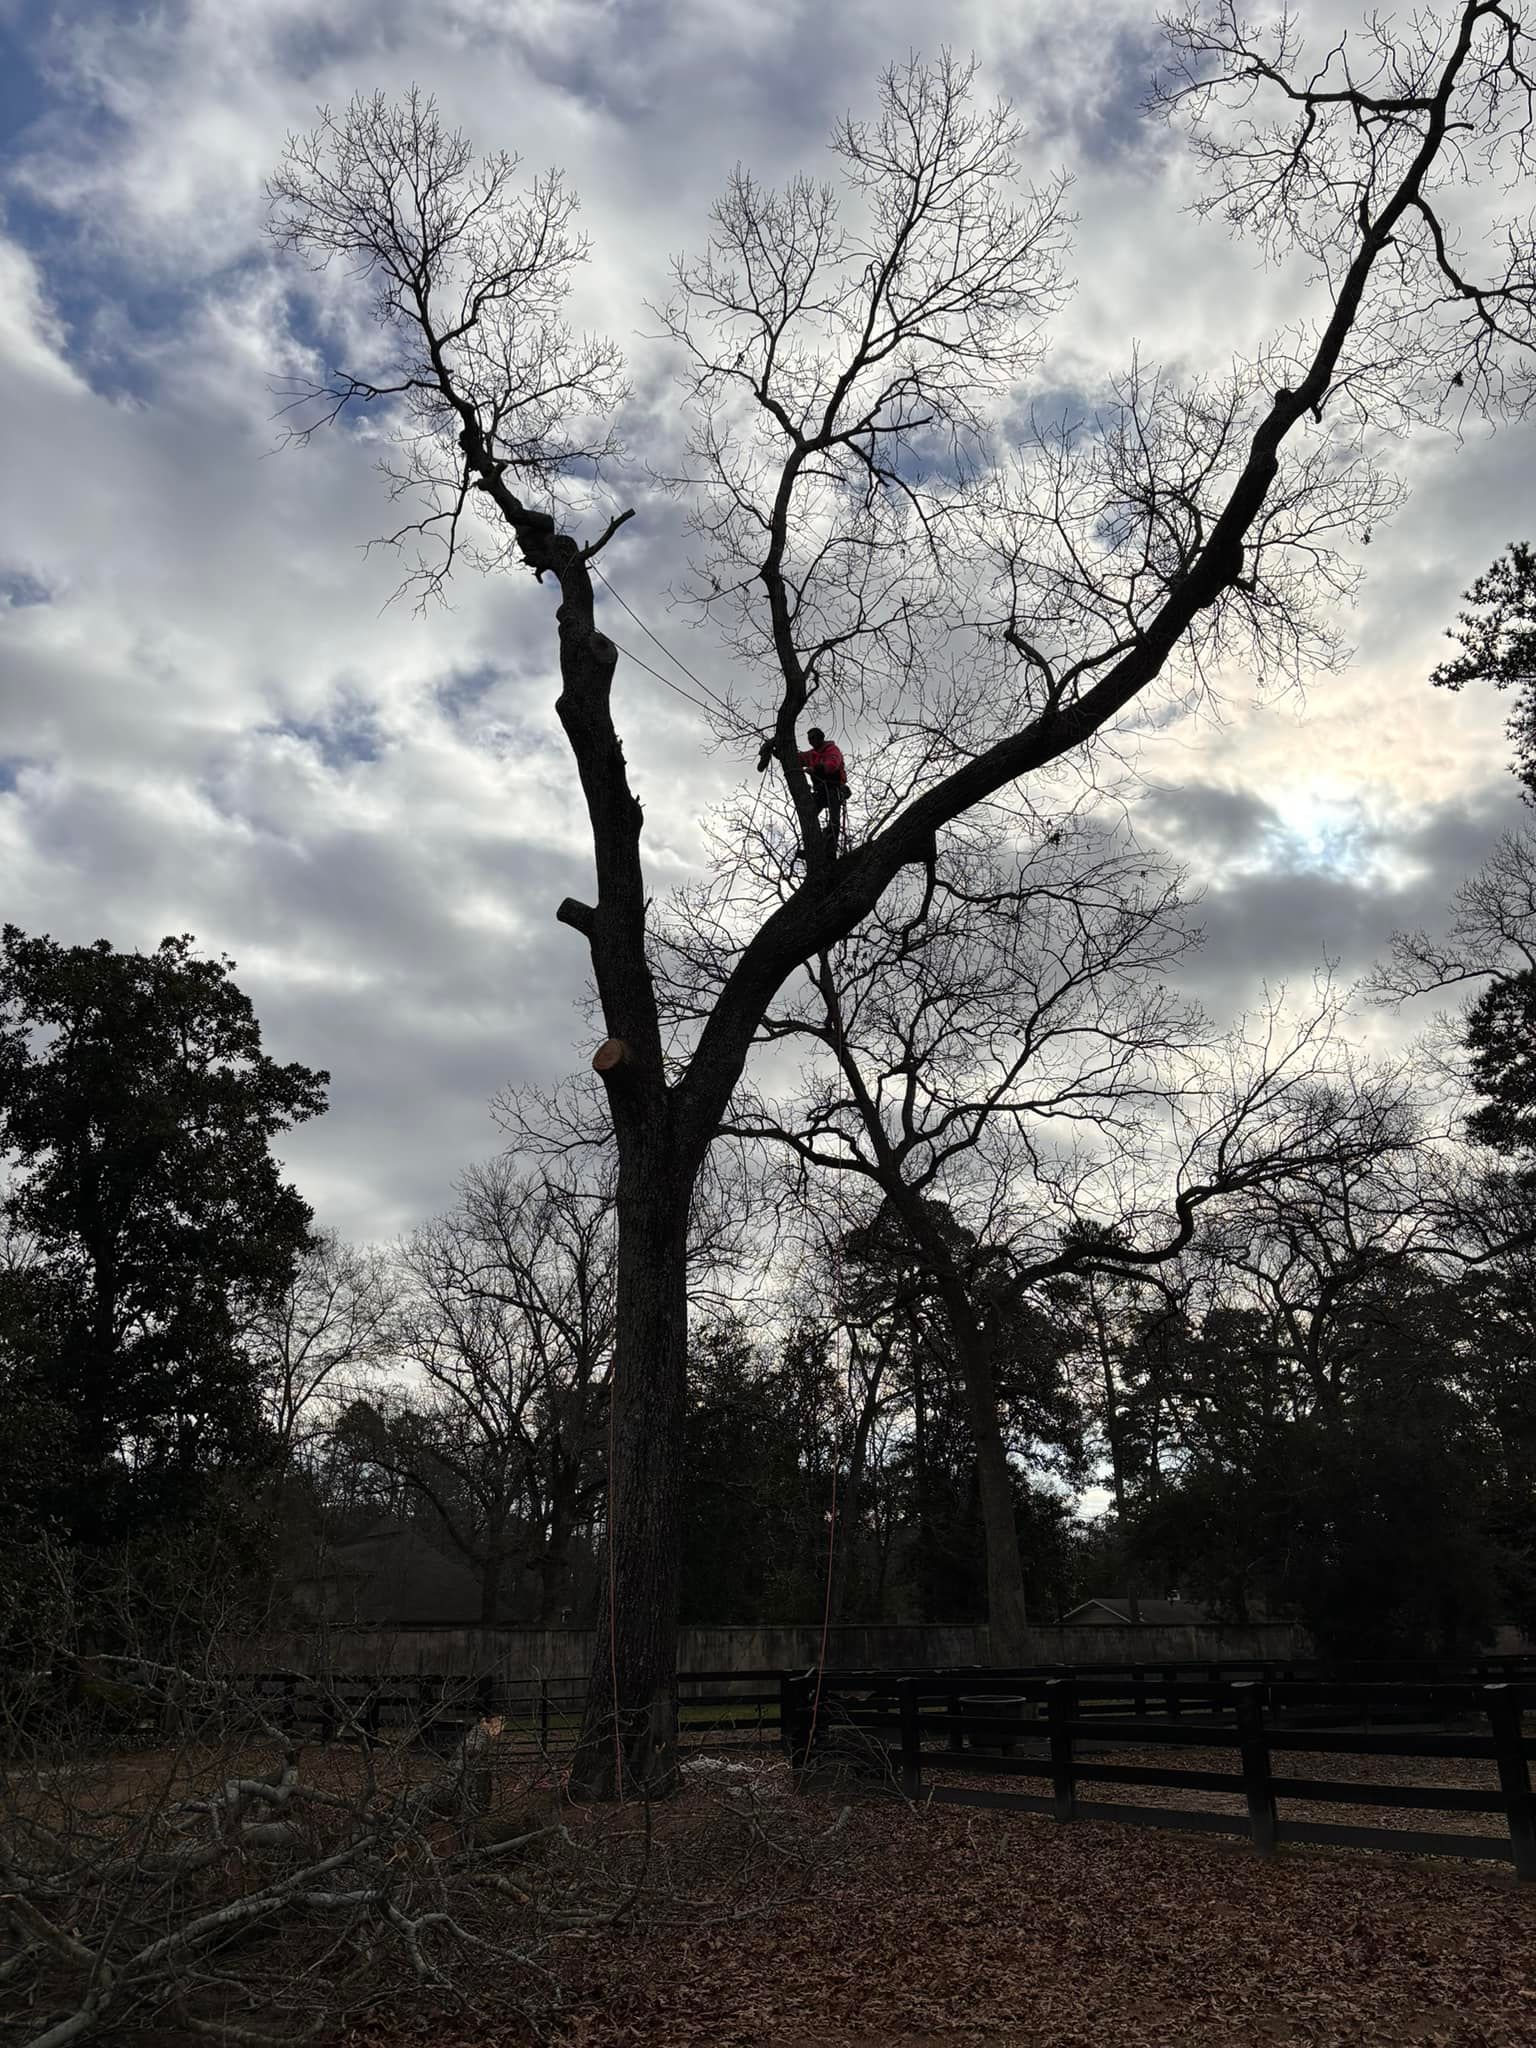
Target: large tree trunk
(629, 1736)
(1007, 1621)
(1116, 1462)
(847, 1534)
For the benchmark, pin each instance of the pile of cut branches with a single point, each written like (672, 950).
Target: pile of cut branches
(238, 1885)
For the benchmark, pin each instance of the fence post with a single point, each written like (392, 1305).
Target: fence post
(1258, 1786)
(544, 1713)
(911, 1739)
(1139, 1688)
(955, 1735)
(1060, 1699)
(1171, 1698)
(1505, 1723)
(787, 1714)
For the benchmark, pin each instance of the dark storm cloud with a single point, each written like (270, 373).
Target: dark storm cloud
(444, 1026)
(348, 733)
(1279, 926)
(18, 589)
(1457, 837)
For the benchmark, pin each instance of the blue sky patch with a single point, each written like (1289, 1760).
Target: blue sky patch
(343, 741)
(18, 589)
(23, 94)
(467, 688)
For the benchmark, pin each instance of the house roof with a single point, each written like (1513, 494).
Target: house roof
(1111, 1608)
(392, 1575)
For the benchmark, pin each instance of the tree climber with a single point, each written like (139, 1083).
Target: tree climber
(823, 762)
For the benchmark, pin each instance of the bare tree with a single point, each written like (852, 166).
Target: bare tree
(871, 1397)
(505, 1328)
(998, 1053)
(1492, 929)
(309, 1345)
(846, 356)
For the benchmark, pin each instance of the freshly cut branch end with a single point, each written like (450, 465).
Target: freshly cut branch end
(579, 916)
(610, 1055)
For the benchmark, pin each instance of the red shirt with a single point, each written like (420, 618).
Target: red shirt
(826, 760)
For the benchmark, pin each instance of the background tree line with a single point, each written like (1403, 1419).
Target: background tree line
(1017, 1211)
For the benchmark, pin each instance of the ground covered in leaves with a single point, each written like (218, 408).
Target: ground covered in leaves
(948, 1927)
(749, 1914)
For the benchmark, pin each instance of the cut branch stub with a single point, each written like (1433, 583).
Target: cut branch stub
(577, 914)
(612, 1054)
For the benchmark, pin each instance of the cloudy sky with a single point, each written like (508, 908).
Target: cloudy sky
(211, 719)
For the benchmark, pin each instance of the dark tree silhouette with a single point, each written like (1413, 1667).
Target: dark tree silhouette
(137, 1113)
(846, 356)
(1498, 646)
(1501, 1037)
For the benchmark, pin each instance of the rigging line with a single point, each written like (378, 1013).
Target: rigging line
(676, 660)
(613, 1624)
(676, 688)
(838, 1328)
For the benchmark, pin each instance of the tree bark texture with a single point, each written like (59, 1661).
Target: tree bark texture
(1006, 1616)
(629, 1735)
(490, 1589)
(845, 1558)
(1116, 1461)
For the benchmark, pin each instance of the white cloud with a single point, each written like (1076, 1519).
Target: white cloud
(214, 722)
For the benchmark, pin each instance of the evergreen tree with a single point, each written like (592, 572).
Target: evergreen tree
(137, 1113)
(1497, 637)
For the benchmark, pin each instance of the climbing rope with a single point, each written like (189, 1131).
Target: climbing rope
(839, 836)
(613, 1603)
(839, 1327)
(838, 844)
(656, 639)
(826, 1605)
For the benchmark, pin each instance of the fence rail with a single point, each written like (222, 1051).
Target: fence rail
(537, 1713)
(940, 1729)
(986, 1718)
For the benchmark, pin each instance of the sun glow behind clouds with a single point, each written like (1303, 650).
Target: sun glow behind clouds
(1325, 831)
(1331, 833)
(227, 731)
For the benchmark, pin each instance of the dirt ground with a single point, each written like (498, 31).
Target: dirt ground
(947, 1927)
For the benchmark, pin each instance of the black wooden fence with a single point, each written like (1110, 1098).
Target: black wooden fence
(975, 1723)
(734, 1708)
(1049, 1726)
